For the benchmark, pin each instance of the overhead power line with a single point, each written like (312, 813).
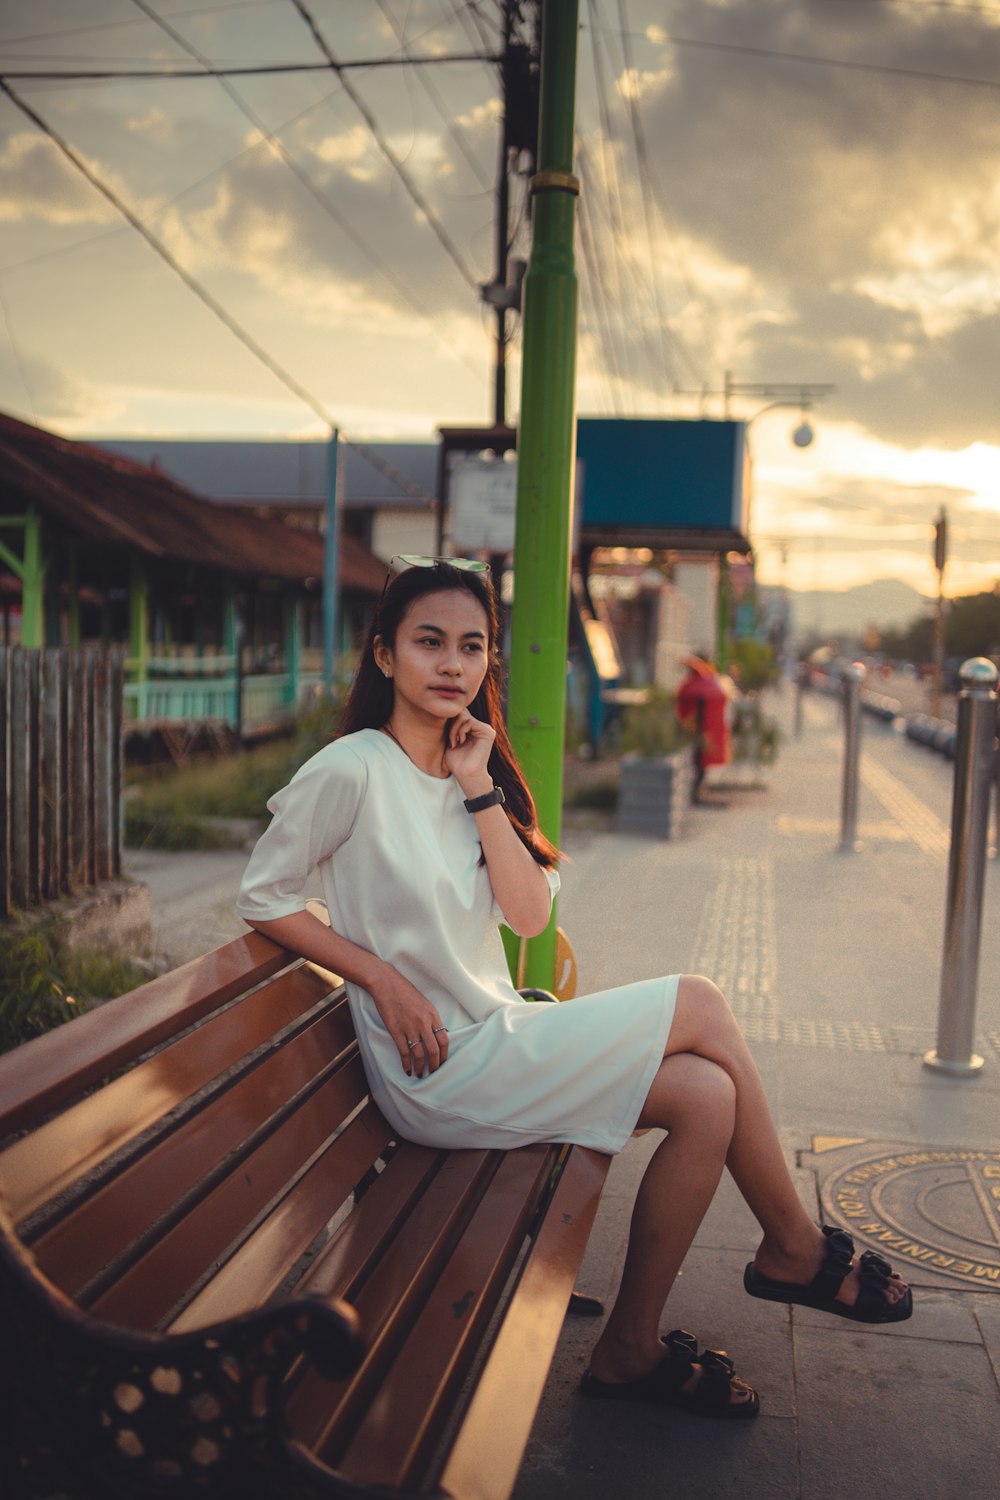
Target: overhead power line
(406, 484)
(436, 99)
(810, 60)
(418, 198)
(343, 222)
(645, 181)
(79, 75)
(166, 255)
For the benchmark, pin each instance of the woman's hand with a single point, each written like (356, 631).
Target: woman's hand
(411, 1020)
(467, 752)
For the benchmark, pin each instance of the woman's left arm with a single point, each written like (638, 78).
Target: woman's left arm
(519, 884)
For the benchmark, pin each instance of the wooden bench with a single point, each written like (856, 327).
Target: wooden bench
(221, 1276)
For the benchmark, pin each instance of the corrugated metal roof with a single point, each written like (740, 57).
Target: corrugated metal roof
(252, 472)
(90, 492)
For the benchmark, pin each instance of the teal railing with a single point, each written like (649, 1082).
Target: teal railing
(184, 698)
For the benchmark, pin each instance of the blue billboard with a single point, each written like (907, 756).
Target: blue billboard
(659, 482)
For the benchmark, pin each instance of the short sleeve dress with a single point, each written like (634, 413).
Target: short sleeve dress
(399, 861)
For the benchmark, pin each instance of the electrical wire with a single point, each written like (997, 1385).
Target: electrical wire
(605, 185)
(166, 255)
(598, 284)
(438, 104)
(405, 483)
(281, 151)
(255, 70)
(772, 54)
(594, 295)
(667, 332)
(178, 15)
(417, 196)
(93, 239)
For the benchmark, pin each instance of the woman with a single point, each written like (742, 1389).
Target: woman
(424, 835)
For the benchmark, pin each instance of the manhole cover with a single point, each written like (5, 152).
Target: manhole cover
(925, 1208)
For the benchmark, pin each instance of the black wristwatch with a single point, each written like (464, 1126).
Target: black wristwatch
(489, 799)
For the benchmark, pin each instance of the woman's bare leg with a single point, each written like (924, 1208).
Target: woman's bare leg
(793, 1246)
(696, 1100)
(708, 1094)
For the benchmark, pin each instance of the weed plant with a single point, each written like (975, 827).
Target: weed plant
(651, 729)
(44, 983)
(175, 809)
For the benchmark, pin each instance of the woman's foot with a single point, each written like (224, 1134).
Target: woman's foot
(823, 1272)
(675, 1375)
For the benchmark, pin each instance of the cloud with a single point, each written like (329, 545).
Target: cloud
(36, 385)
(37, 182)
(861, 209)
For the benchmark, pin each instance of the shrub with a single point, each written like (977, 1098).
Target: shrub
(171, 809)
(651, 728)
(43, 983)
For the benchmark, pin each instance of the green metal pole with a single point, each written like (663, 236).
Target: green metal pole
(33, 583)
(546, 455)
(74, 596)
(293, 649)
(138, 609)
(330, 602)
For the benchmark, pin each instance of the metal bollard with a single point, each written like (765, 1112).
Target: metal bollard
(853, 678)
(977, 717)
(802, 677)
(995, 846)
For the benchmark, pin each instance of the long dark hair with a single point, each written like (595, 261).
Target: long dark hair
(369, 702)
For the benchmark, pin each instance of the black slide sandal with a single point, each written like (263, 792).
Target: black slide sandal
(821, 1292)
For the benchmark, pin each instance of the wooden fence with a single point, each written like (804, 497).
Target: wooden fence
(61, 772)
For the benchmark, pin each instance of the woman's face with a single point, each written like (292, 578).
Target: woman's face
(440, 655)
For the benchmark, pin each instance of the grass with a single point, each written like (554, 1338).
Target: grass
(43, 983)
(177, 808)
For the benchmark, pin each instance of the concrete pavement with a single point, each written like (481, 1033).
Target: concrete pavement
(832, 963)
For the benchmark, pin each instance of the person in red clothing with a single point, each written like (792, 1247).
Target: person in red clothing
(701, 709)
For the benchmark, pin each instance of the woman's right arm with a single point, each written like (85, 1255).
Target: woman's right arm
(407, 1014)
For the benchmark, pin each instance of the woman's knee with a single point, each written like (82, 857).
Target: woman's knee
(691, 1090)
(702, 1018)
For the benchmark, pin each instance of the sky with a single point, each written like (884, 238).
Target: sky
(803, 192)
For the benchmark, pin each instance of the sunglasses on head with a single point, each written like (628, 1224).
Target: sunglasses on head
(415, 560)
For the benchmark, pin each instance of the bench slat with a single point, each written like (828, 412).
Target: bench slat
(51, 1069)
(388, 1295)
(41, 1165)
(402, 1426)
(380, 1215)
(100, 1229)
(258, 1269)
(180, 1258)
(486, 1455)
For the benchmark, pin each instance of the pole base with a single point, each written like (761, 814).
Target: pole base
(953, 1066)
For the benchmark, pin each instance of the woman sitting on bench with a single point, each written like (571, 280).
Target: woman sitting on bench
(423, 832)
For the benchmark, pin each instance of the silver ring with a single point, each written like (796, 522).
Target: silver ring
(436, 1029)
(412, 1044)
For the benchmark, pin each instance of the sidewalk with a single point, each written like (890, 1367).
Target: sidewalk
(832, 963)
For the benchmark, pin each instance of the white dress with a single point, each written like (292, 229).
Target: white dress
(399, 861)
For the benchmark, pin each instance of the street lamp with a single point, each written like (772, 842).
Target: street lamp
(781, 394)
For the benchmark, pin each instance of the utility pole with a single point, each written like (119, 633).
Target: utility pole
(547, 455)
(503, 227)
(518, 135)
(940, 558)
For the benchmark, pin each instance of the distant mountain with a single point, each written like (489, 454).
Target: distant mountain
(886, 603)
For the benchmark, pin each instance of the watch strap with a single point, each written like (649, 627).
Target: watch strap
(488, 799)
